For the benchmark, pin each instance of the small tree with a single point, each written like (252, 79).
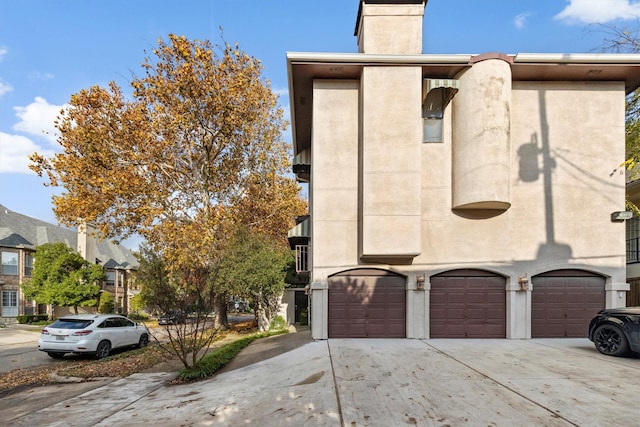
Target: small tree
(62, 277)
(137, 303)
(190, 296)
(107, 303)
(255, 268)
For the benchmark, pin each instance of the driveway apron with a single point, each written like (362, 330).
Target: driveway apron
(381, 382)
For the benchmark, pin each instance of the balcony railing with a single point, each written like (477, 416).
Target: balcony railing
(302, 258)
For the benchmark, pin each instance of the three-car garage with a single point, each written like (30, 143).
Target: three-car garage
(463, 303)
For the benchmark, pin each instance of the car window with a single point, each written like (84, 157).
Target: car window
(71, 323)
(126, 323)
(109, 323)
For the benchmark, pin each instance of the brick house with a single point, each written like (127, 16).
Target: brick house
(19, 236)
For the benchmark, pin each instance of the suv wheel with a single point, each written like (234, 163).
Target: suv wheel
(610, 340)
(103, 349)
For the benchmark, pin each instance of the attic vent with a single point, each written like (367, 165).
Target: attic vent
(436, 95)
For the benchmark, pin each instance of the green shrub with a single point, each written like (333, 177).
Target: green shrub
(277, 322)
(107, 303)
(32, 319)
(304, 317)
(215, 360)
(138, 316)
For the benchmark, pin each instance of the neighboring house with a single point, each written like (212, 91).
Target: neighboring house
(19, 236)
(458, 195)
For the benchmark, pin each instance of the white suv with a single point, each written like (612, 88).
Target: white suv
(91, 333)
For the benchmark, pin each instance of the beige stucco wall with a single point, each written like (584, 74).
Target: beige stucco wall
(566, 141)
(333, 197)
(390, 28)
(390, 161)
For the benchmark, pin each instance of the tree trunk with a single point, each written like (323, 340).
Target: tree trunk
(221, 319)
(261, 316)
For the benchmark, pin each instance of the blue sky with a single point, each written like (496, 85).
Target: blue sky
(51, 49)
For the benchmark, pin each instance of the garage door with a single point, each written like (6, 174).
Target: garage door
(563, 303)
(467, 304)
(367, 303)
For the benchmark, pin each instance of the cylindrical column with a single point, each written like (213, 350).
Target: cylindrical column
(481, 136)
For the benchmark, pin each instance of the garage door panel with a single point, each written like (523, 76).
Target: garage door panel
(455, 313)
(456, 297)
(395, 313)
(470, 306)
(563, 303)
(374, 305)
(356, 298)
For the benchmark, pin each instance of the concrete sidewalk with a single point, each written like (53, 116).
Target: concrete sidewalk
(377, 382)
(19, 334)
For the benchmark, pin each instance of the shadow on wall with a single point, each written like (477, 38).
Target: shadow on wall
(367, 303)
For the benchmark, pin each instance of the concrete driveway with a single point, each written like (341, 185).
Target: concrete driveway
(376, 382)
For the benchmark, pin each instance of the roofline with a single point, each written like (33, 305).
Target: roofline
(374, 58)
(304, 67)
(437, 58)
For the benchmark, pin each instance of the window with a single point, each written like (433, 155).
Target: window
(10, 263)
(9, 303)
(633, 240)
(436, 95)
(71, 323)
(111, 278)
(28, 264)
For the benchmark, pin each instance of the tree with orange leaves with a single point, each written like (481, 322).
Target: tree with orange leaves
(194, 153)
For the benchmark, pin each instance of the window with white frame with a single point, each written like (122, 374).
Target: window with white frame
(9, 263)
(28, 264)
(9, 303)
(110, 278)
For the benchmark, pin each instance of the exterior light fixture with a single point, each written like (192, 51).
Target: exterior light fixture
(523, 281)
(420, 282)
(621, 215)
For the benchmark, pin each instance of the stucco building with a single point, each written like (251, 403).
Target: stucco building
(458, 195)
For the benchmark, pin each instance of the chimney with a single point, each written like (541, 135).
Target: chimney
(391, 27)
(86, 243)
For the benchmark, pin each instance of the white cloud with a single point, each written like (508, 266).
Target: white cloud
(5, 87)
(15, 151)
(599, 11)
(37, 119)
(521, 20)
(40, 77)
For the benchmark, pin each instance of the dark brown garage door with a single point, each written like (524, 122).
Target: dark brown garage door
(467, 304)
(367, 303)
(563, 303)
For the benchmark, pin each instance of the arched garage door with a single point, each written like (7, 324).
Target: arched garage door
(563, 303)
(467, 304)
(367, 303)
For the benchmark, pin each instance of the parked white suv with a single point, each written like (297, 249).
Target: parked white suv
(91, 333)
